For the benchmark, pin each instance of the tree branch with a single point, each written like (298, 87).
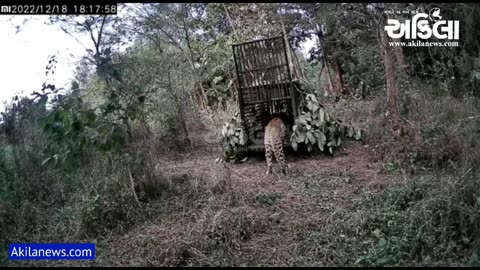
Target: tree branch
(99, 38)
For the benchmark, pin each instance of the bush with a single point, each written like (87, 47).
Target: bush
(233, 136)
(424, 220)
(314, 127)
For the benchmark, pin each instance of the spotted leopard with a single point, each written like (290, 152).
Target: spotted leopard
(273, 140)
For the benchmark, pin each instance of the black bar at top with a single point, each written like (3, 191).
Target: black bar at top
(59, 9)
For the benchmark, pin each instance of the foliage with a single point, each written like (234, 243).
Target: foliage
(76, 130)
(423, 220)
(315, 127)
(233, 136)
(360, 76)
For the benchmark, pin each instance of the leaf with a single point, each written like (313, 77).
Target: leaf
(313, 98)
(312, 103)
(322, 116)
(310, 106)
(308, 117)
(350, 132)
(302, 120)
(224, 131)
(294, 145)
(332, 142)
(331, 150)
(310, 137)
(300, 138)
(377, 233)
(358, 135)
(244, 159)
(322, 139)
(320, 146)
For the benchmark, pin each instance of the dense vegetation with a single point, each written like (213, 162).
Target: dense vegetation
(88, 163)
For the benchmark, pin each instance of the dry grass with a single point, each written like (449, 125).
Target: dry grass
(234, 215)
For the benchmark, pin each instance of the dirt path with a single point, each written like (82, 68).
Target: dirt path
(217, 214)
(305, 218)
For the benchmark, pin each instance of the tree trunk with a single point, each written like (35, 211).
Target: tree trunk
(325, 64)
(400, 58)
(339, 85)
(393, 114)
(331, 89)
(289, 52)
(399, 55)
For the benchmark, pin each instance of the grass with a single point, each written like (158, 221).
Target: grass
(268, 198)
(220, 216)
(432, 220)
(222, 221)
(319, 215)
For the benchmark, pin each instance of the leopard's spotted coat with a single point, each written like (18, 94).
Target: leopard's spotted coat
(274, 135)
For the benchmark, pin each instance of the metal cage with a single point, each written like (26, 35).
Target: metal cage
(265, 87)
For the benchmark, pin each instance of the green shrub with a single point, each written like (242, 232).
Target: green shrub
(315, 127)
(232, 136)
(424, 220)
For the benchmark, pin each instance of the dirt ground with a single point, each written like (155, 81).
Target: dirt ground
(309, 217)
(222, 214)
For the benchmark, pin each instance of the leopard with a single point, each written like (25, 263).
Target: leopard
(273, 141)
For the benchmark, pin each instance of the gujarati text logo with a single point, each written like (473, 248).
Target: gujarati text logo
(419, 27)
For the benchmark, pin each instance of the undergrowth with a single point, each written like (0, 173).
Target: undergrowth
(431, 220)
